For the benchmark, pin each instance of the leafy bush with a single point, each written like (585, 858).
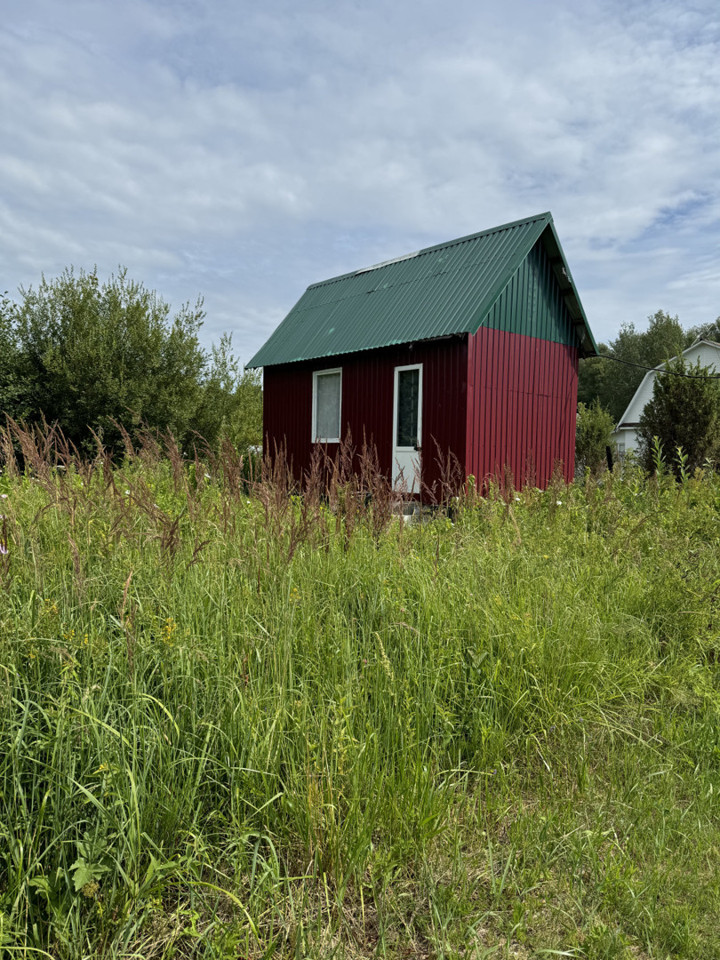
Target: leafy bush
(613, 384)
(593, 437)
(89, 356)
(684, 415)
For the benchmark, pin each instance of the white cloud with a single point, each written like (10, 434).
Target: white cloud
(243, 152)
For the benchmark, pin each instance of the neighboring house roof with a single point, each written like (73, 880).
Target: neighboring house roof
(706, 351)
(437, 292)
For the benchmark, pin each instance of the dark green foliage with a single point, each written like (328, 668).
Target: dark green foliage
(594, 374)
(97, 353)
(683, 413)
(592, 437)
(663, 339)
(89, 356)
(13, 385)
(231, 402)
(613, 384)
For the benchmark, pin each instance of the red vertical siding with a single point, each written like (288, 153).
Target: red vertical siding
(521, 407)
(368, 380)
(498, 401)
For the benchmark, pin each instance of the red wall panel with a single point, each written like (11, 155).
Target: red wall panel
(521, 407)
(367, 402)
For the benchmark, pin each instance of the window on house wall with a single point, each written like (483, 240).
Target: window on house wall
(327, 400)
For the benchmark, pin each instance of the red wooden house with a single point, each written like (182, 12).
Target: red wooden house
(470, 347)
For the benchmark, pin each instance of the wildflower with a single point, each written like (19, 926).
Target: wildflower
(3, 550)
(3, 496)
(169, 628)
(127, 493)
(558, 503)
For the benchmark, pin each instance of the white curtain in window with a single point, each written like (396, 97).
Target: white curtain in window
(327, 407)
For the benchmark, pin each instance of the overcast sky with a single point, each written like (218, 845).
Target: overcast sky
(241, 151)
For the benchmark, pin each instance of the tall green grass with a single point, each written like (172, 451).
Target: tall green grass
(239, 723)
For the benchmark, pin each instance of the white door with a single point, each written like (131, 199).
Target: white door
(407, 427)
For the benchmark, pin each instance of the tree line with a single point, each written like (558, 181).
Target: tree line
(90, 355)
(611, 384)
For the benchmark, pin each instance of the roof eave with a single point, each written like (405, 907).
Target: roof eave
(443, 338)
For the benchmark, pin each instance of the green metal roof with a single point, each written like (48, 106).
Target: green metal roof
(439, 291)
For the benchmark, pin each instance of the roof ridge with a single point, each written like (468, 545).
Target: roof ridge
(546, 216)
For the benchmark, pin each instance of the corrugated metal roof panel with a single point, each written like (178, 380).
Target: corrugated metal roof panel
(443, 290)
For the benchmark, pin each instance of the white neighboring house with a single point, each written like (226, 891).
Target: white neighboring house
(625, 433)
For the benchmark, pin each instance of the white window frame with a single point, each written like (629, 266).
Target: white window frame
(398, 371)
(316, 375)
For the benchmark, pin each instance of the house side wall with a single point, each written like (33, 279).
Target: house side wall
(368, 380)
(522, 402)
(626, 440)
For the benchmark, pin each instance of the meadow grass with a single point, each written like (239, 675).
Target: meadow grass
(239, 723)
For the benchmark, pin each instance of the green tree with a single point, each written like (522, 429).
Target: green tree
(10, 381)
(230, 407)
(593, 437)
(595, 377)
(88, 355)
(613, 384)
(95, 353)
(684, 412)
